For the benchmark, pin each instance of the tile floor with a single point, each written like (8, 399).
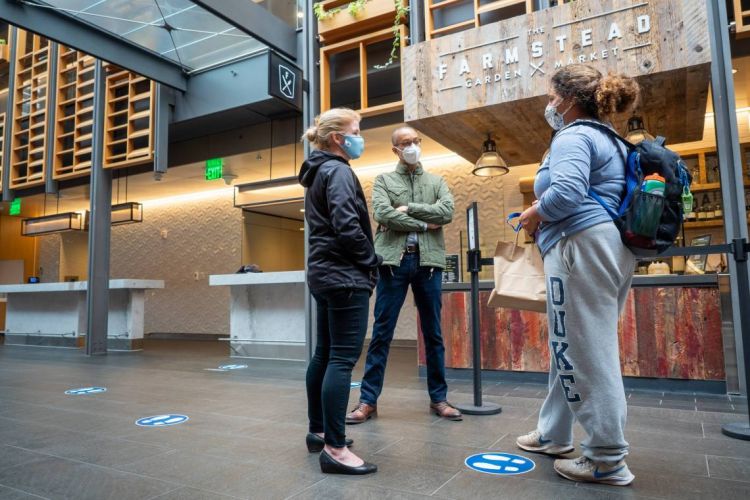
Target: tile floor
(245, 436)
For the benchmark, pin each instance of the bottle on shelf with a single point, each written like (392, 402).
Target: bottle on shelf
(701, 213)
(718, 211)
(678, 261)
(710, 214)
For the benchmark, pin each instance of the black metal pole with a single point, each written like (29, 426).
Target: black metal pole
(740, 430)
(735, 218)
(476, 338)
(474, 266)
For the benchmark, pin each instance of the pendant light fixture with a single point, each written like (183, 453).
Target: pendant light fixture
(128, 212)
(60, 222)
(637, 130)
(490, 164)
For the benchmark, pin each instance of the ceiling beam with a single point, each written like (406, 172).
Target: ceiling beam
(79, 35)
(256, 21)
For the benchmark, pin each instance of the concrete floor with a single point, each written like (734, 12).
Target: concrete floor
(245, 436)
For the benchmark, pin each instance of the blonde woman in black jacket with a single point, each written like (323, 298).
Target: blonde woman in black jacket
(341, 273)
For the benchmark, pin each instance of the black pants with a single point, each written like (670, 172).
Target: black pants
(341, 327)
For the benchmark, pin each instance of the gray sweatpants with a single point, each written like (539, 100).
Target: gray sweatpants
(588, 279)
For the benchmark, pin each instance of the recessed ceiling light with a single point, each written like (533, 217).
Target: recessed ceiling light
(734, 71)
(302, 210)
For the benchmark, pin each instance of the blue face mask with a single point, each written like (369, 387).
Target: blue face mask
(354, 146)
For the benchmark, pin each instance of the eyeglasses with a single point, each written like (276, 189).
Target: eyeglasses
(406, 144)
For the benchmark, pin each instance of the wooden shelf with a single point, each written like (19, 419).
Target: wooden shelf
(478, 9)
(375, 15)
(497, 5)
(29, 128)
(2, 144)
(707, 224)
(453, 27)
(444, 3)
(136, 125)
(73, 149)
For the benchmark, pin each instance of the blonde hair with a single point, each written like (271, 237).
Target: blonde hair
(599, 96)
(333, 121)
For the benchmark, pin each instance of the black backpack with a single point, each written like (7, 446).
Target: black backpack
(649, 223)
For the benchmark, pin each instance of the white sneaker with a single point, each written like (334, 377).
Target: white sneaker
(584, 469)
(534, 442)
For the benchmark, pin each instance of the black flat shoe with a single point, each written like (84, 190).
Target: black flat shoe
(329, 465)
(316, 443)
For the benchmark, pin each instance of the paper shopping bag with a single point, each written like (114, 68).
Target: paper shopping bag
(519, 278)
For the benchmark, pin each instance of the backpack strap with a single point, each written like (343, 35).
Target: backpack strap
(603, 128)
(632, 164)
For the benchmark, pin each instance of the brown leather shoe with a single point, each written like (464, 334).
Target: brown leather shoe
(361, 413)
(445, 410)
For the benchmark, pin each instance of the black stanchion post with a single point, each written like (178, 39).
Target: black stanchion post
(741, 430)
(474, 266)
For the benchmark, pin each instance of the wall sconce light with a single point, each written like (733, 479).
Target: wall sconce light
(271, 192)
(127, 213)
(637, 130)
(490, 164)
(58, 223)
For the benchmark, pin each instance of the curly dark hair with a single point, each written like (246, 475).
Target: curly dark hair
(599, 96)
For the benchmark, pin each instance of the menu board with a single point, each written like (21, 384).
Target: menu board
(452, 271)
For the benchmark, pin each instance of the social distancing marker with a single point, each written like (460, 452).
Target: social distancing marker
(356, 384)
(86, 390)
(161, 420)
(232, 367)
(226, 368)
(504, 464)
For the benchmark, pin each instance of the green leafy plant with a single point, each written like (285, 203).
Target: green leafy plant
(354, 8)
(401, 12)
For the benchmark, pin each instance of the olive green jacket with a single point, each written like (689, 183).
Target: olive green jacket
(429, 201)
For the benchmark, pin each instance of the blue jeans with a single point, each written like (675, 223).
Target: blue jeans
(426, 284)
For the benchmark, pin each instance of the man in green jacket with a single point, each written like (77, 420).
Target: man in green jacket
(410, 206)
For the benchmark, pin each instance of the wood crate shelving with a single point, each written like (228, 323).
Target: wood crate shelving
(441, 21)
(29, 127)
(2, 144)
(129, 119)
(74, 115)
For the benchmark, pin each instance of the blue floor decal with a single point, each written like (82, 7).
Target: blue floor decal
(161, 420)
(232, 367)
(85, 390)
(499, 463)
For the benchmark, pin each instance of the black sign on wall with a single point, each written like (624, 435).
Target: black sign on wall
(285, 81)
(451, 271)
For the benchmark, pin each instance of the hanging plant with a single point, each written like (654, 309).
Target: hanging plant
(354, 8)
(401, 12)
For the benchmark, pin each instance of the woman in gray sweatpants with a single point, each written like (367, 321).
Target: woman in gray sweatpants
(588, 271)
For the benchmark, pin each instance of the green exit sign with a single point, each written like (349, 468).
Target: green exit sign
(15, 207)
(214, 169)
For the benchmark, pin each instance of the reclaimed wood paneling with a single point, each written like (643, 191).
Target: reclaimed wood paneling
(665, 332)
(494, 78)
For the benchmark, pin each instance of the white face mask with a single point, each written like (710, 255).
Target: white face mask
(411, 153)
(555, 119)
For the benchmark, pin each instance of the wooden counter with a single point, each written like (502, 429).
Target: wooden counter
(671, 328)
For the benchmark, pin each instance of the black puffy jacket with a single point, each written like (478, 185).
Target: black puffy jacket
(342, 254)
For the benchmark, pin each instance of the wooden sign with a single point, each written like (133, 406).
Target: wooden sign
(494, 79)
